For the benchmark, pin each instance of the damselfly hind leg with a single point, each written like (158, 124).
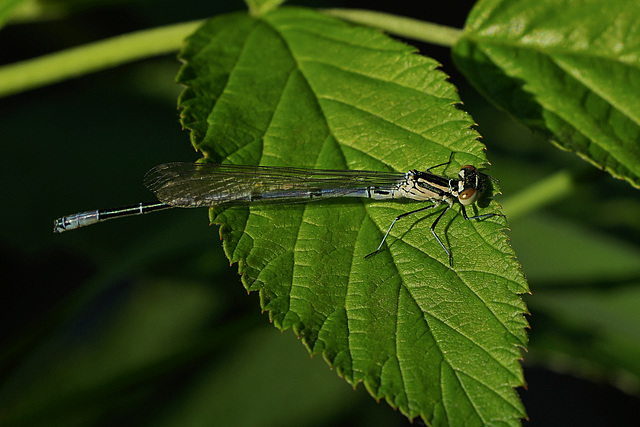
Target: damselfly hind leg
(433, 227)
(384, 239)
(433, 231)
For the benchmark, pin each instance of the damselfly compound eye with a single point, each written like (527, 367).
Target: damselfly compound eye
(468, 196)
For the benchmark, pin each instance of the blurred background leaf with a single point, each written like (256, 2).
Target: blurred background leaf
(8, 9)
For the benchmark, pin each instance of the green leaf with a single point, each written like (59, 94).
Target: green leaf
(569, 69)
(296, 88)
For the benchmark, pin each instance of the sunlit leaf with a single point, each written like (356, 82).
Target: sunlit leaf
(296, 88)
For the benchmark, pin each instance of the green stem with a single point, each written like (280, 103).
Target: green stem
(544, 192)
(74, 62)
(400, 26)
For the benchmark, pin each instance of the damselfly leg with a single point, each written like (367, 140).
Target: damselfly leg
(405, 215)
(448, 162)
(433, 226)
(466, 189)
(464, 214)
(433, 229)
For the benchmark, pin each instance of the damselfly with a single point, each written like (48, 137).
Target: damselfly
(205, 185)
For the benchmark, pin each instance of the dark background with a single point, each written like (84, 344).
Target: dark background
(157, 291)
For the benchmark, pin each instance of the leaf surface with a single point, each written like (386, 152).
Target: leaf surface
(569, 69)
(296, 88)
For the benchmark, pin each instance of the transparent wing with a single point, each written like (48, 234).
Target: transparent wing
(199, 185)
